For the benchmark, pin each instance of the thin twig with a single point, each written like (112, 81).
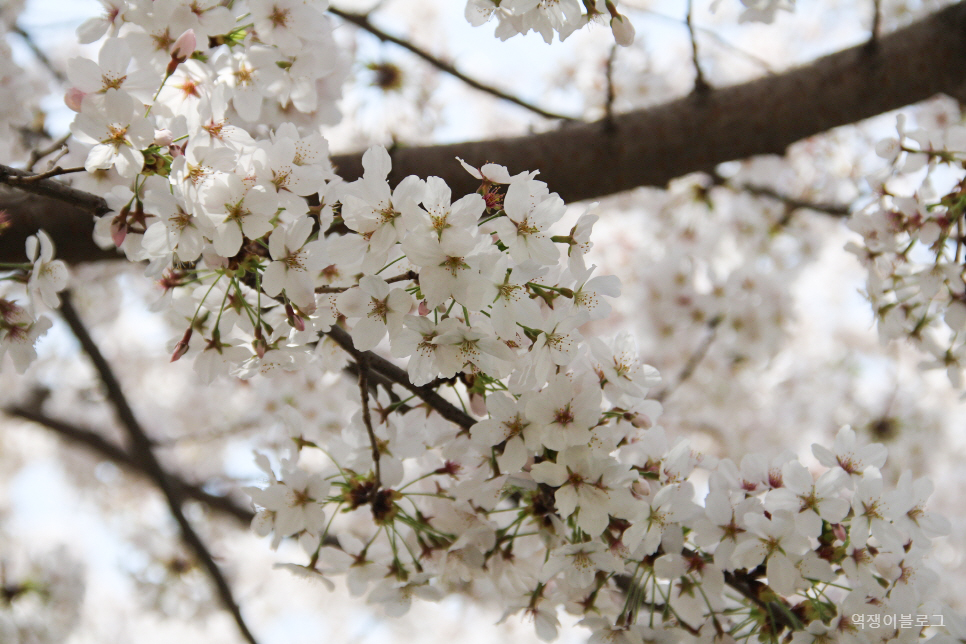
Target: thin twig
(408, 275)
(700, 84)
(376, 380)
(363, 23)
(440, 405)
(363, 362)
(38, 154)
(609, 100)
(693, 361)
(39, 54)
(744, 583)
(141, 448)
(751, 589)
(713, 35)
(56, 171)
(876, 23)
(835, 210)
(105, 448)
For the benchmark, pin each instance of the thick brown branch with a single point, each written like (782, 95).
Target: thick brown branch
(65, 213)
(695, 133)
(141, 450)
(25, 182)
(652, 146)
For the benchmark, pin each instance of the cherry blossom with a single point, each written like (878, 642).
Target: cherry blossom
(48, 276)
(294, 262)
(117, 135)
(377, 307)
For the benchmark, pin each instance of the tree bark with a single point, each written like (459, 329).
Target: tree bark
(645, 147)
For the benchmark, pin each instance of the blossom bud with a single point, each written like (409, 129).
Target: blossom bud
(259, 343)
(840, 533)
(73, 98)
(185, 45)
(423, 309)
(119, 227)
(623, 30)
(182, 347)
(641, 421)
(163, 137)
(641, 488)
(294, 319)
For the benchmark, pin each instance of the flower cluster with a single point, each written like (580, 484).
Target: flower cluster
(21, 325)
(760, 10)
(159, 98)
(547, 17)
(570, 497)
(912, 244)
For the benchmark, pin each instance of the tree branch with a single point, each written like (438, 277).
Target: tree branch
(106, 449)
(692, 363)
(792, 203)
(363, 23)
(377, 363)
(652, 146)
(610, 92)
(39, 54)
(701, 85)
(711, 34)
(34, 184)
(141, 449)
(60, 145)
(363, 362)
(56, 171)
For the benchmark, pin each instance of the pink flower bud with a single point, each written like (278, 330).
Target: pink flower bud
(185, 45)
(260, 347)
(73, 98)
(259, 343)
(423, 309)
(839, 531)
(295, 320)
(118, 231)
(182, 347)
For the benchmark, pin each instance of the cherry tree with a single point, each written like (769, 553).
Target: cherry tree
(452, 374)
